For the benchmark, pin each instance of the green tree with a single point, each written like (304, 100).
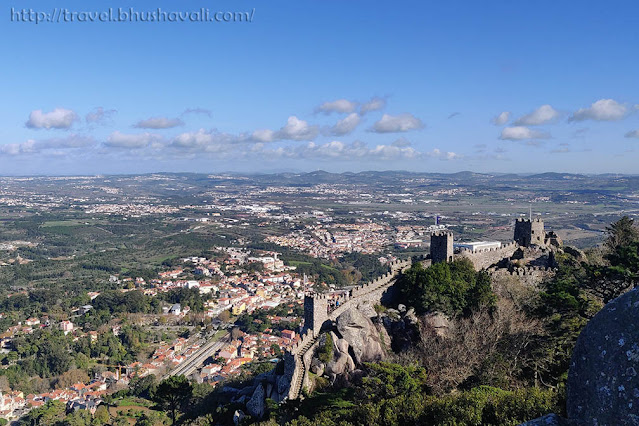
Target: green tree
(79, 418)
(172, 394)
(49, 414)
(143, 387)
(620, 275)
(621, 233)
(452, 288)
(326, 351)
(82, 361)
(101, 416)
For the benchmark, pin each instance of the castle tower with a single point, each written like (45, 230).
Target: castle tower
(315, 312)
(441, 246)
(530, 232)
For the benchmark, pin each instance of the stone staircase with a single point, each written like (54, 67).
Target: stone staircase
(302, 371)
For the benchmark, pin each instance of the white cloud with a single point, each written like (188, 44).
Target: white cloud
(206, 141)
(401, 142)
(264, 135)
(501, 119)
(17, 148)
(542, 115)
(342, 106)
(632, 134)
(337, 150)
(375, 104)
(443, 155)
(391, 152)
(32, 146)
(131, 141)
(159, 123)
(602, 110)
(397, 123)
(98, 115)
(59, 118)
(295, 130)
(346, 125)
(519, 133)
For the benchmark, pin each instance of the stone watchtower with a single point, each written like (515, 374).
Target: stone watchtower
(530, 232)
(441, 246)
(315, 311)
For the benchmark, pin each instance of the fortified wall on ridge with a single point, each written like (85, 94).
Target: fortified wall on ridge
(317, 307)
(529, 233)
(320, 310)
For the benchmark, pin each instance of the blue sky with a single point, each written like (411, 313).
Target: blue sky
(491, 86)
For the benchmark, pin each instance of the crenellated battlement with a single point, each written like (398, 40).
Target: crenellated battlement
(484, 258)
(319, 307)
(441, 246)
(318, 310)
(529, 232)
(441, 233)
(397, 266)
(528, 270)
(522, 219)
(320, 296)
(307, 337)
(506, 247)
(528, 275)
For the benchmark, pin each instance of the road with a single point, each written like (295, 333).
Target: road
(198, 358)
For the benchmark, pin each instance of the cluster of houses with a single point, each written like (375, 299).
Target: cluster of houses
(29, 326)
(80, 396)
(233, 288)
(243, 350)
(329, 243)
(226, 362)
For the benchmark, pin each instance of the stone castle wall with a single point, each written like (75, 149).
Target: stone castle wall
(297, 359)
(483, 259)
(319, 309)
(530, 275)
(316, 311)
(294, 366)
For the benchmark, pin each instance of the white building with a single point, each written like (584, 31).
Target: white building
(478, 245)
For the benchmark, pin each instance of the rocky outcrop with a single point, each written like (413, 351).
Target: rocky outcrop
(579, 255)
(437, 322)
(356, 339)
(603, 382)
(255, 405)
(402, 325)
(359, 332)
(341, 364)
